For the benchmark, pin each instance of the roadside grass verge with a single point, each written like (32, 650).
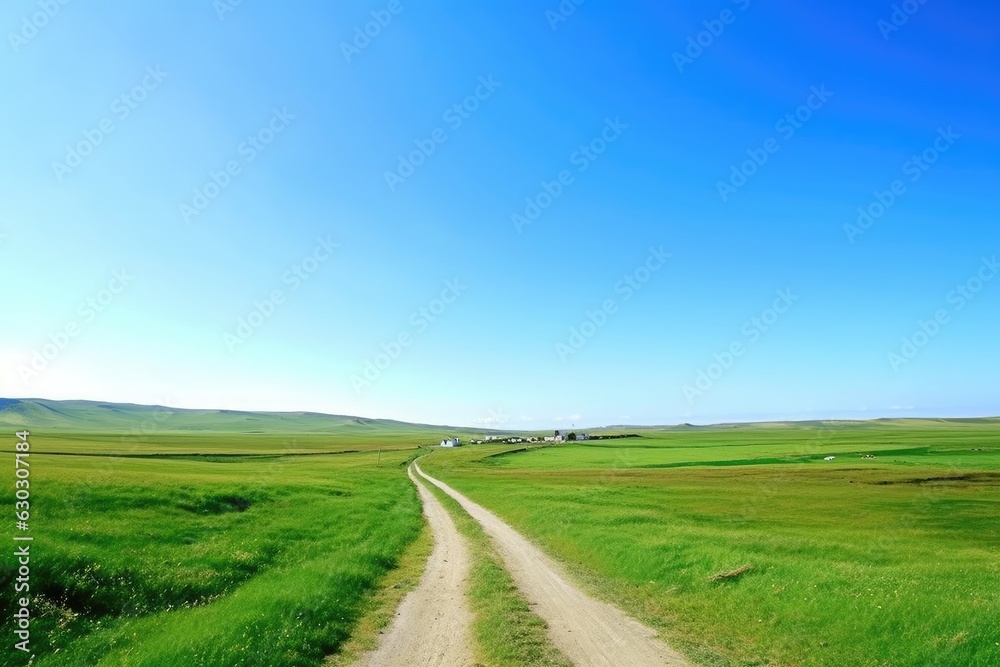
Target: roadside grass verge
(379, 609)
(506, 632)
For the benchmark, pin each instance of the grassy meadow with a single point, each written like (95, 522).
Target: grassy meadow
(889, 554)
(260, 559)
(214, 538)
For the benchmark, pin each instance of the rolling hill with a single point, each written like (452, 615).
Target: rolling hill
(106, 417)
(95, 416)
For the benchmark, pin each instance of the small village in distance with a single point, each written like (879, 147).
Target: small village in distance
(557, 436)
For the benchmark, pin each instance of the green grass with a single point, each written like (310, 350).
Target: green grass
(126, 427)
(885, 561)
(506, 632)
(219, 538)
(379, 609)
(185, 561)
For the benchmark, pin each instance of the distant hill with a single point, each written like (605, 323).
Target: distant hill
(805, 424)
(104, 417)
(96, 416)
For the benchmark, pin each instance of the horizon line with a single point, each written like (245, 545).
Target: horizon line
(502, 430)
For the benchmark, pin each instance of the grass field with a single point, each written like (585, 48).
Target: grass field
(249, 560)
(891, 560)
(214, 538)
(112, 429)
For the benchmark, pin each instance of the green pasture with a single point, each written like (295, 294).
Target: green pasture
(186, 560)
(216, 445)
(89, 427)
(175, 537)
(891, 560)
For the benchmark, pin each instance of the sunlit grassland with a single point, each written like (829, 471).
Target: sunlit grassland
(249, 560)
(117, 428)
(892, 560)
(173, 443)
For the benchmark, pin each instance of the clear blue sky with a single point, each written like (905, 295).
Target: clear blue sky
(638, 144)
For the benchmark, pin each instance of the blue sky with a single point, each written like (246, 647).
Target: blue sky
(638, 212)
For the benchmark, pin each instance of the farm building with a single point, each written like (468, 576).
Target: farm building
(451, 442)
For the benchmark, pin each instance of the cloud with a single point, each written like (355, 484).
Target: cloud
(489, 421)
(497, 417)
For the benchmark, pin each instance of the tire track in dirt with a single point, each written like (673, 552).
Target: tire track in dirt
(433, 624)
(588, 632)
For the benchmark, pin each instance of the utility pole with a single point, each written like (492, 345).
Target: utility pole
(379, 461)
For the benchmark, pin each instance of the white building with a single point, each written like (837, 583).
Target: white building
(451, 442)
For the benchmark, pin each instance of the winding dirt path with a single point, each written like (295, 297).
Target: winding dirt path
(587, 631)
(432, 624)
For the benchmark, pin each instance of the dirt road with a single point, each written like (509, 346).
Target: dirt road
(587, 631)
(432, 625)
